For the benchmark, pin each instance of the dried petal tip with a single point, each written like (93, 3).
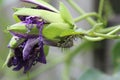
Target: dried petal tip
(42, 5)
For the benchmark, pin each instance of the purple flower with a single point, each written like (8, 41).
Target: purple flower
(25, 57)
(31, 50)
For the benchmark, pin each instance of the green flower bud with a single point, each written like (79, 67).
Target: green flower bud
(15, 41)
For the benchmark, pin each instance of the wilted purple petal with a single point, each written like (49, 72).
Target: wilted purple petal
(18, 67)
(30, 20)
(42, 57)
(28, 64)
(28, 47)
(15, 61)
(27, 68)
(23, 44)
(32, 60)
(40, 27)
(17, 52)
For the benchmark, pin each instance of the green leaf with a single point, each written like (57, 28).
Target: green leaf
(92, 74)
(46, 15)
(66, 14)
(116, 55)
(46, 49)
(54, 30)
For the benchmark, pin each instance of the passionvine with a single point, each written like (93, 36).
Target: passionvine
(36, 29)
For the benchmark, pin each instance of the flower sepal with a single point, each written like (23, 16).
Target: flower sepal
(48, 16)
(21, 29)
(65, 14)
(15, 41)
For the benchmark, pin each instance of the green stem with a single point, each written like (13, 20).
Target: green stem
(114, 31)
(100, 10)
(106, 30)
(28, 76)
(105, 36)
(79, 10)
(84, 16)
(95, 27)
(66, 71)
(8, 57)
(93, 38)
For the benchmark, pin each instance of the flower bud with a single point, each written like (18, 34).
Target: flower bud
(36, 29)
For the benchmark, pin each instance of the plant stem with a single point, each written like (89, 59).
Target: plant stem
(100, 10)
(84, 16)
(93, 38)
(106, 30)
(8, 57)
(114, 31)
(79, 10)
(95, 28)
(66, 71)
(105, 35)
(28, 76)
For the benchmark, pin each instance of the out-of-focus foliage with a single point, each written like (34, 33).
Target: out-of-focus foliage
(116, 55)
(93, 74)
(0, 1)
